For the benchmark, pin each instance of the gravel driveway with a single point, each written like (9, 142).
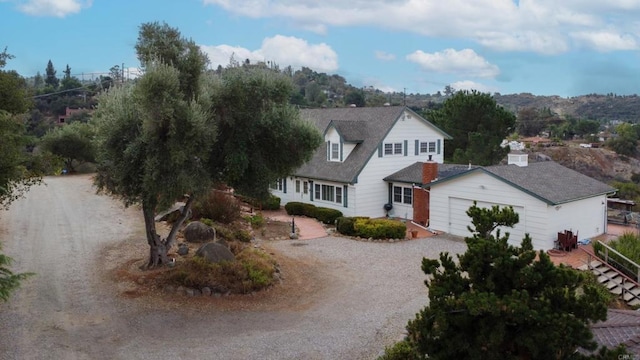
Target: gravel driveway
(354, 298)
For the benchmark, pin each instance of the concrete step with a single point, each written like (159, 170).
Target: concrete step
(594, 264)
(628, 297)
(634, 302)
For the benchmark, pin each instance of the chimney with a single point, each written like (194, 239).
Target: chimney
(429, 171)
(518, 158)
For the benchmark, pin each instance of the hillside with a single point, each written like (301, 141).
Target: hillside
(598, 163)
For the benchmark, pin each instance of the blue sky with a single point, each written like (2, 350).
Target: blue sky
(544, 47)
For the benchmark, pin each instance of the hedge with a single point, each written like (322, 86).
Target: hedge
(380, 228)
(323, 214)
(345, 225)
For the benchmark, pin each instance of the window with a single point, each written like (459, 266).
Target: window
(388, 149)
(317, 191)
(397, 149)
(338, 195)
(408, 195)
(277, 185)
(305, 187)
(393, 148)
(297, 186)
(397, 194)
(328, 192)
(428, 147)
(335, 151)
(402, 195)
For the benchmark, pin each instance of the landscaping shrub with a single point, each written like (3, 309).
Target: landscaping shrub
(345, 225)
(380, 228)
(270, 203)
(252, 270)
(628, 244)
(217, 206)
(294, 208)
(327, 215)
(402, 350)
(256, 221)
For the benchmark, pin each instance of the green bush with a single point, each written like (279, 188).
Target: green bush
(295, 208)
(272, 203)
(345, 225)
(256, 221)
(380, 228)
(327, 215)
(401, 350)
(242, 236)
(627, 244)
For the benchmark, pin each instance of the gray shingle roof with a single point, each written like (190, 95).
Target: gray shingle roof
(366, 126)
(545, 180)
(412, 174)
(551, 182)
(621, 327)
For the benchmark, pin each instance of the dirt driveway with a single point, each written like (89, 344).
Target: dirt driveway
(341, 299)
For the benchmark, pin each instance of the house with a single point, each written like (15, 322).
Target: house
(621, 327)
(363, 146)
(62, 119)
(548, 197)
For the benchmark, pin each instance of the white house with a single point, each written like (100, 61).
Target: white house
(362, 147)
(548, 197)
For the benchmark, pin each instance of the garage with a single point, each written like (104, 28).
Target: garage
(458, 219)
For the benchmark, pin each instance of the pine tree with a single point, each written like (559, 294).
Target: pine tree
(50, 79)
(503, 302)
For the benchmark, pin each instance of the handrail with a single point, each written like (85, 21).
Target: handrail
(606, 258)
(625, 278)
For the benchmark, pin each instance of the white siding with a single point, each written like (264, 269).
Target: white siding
(586, 218)
(488, 190)
(292, 195)
(373, 192)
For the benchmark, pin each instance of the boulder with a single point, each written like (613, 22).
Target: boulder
(197, 232)
(183, 249)
(215, 253)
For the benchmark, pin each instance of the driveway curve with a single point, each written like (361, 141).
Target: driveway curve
(340, 299)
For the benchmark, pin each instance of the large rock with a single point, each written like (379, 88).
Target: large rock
(215, 253)
(197, 232)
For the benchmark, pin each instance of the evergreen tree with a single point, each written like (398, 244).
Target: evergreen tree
(51, 80)
(501, 302)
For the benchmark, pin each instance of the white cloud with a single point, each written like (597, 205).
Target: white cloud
(464, 62)
(56, 8)
(605, 41)
(384, 56)
(471, 85)
(540, 26)
(283, 50)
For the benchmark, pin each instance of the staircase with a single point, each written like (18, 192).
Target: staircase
(617, 283)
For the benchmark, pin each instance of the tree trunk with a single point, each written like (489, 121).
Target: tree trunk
(159, 248)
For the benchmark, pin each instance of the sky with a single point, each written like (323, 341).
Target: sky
(544, 47)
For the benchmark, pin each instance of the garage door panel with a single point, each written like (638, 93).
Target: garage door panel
(458, 219)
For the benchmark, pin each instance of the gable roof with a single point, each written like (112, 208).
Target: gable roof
(546, 180)
(365, 126)
(621, 327)
(412, 174)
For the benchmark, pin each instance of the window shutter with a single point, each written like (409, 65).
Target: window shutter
(328, 150)
(417, 147)
(284, 185)
(390, 193)
(438, 146)
(341, 150)
(406, 145)
(311, 190)
(345, 188)
(380, 150)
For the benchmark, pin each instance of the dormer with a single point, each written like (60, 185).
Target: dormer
(342, 137)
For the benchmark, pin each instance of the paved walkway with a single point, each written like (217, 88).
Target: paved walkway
(308, 228)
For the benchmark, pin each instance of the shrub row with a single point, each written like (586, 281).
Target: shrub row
(323, 214)
(371, 228)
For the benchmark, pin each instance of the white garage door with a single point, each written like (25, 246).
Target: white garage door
(458, 219)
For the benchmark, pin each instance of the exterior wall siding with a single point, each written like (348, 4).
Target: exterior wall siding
(575, 217)
(485, 188)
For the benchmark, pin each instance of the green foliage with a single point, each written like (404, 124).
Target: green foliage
(346, 225)
(379, 228)
(627, 244)
(402, 350)
(51, 80)
(71, 142)
(218, 206)
(478, 126)
(261, 136)
(326, 215)
(9, 281)
(504, 302)
(272, 202)
(257, 221)
(17, 172)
